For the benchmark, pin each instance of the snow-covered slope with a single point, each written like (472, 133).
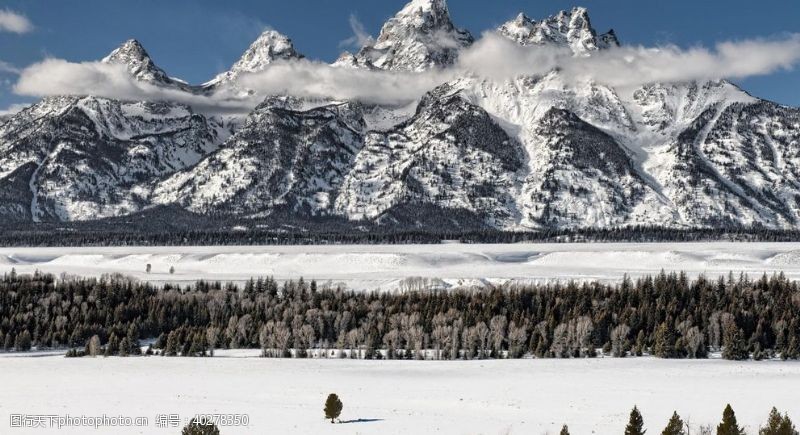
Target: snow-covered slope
(82, 156)
(532, 151)
(78, 158)
(280, 157)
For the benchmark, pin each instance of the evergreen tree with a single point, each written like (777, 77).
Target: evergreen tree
(778, 425)
(112, 347)
(735, 346)
(333, 407)
(729, 425)
(124, 347)
(23, 341)
(675, 426)
(664, 342)
(564, 430)
(635, 423)
(197, 428)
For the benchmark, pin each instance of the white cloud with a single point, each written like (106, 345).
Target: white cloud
(6, 67)
(314, 79)
(492, 57)
(497, 57)
(360, 36)
(13, 22)
(59, 77)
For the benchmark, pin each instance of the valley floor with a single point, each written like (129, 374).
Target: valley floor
(285, 396)
(371, 267)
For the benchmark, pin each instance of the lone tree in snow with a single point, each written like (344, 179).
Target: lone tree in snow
(93, 348)
(196, 427)
(635, 424)
(675, 426)
(564, 430)
(778, 425)
(333, 407)
(148, 268)
(729, 425)
(172, 269)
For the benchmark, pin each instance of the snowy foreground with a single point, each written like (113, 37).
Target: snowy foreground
(384, 266)
(398, 397)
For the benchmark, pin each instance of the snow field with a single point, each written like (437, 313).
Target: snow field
(369, 267)
(285, 396)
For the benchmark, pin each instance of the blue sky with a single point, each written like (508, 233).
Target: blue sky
(194, 40)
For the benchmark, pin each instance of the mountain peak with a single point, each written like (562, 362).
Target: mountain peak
(571, 28)
(419, 37)
(268, 48)
(271, 46)
(135, 58)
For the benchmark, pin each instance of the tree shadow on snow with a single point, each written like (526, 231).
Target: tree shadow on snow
(362, 420)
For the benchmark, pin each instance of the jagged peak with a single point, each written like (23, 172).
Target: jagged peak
(571, 28)
(271, 46)
(130, 51)
(420, 36)
(421, 11)
(135, 58)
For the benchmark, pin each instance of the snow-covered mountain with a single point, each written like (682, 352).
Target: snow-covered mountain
(421, 36)
(533, 151)
(568, 28)
(137, 61)
(77, 158)
(270, 47)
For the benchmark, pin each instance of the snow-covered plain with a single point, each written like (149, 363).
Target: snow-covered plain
(384, 266)
(285, 396)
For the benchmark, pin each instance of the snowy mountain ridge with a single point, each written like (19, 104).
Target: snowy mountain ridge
(532, 151)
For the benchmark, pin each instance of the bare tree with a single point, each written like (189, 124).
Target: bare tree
(619, 340)
(560, 346)
(497, 328)
(694, 340)
(517, 337)
(415, 337)
(282, 337)
(583, 334)
(393, 341)
(94, 345)
(482, 333)
(441, 336)
(212, 335)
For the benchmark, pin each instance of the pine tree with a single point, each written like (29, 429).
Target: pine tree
(23, 341)
(124, 347)
(635, 423)
(664, 342)
(564, 430)
(333, 407)
(735, 346)
(675, 426)
(197, 428)
(729, 425)
(778, 425)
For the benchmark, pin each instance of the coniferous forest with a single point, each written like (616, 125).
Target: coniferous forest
(667, 315)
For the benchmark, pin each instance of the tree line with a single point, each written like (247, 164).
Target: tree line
(257, 233)
(666, 315)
